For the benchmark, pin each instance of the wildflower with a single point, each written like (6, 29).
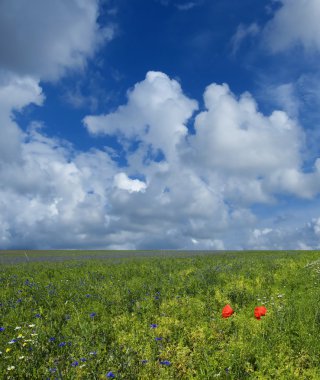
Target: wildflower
(21, 357)
(153, 325)
(20, 336)
(165, 362)
(227, 311)
(158, 338)
(83, 359)
(13, 341)
(37, 316)
(110, 375)
(53, 370)
(144, 361)
(32, 325)
(17, 328)
(8, 349)
(34, 334)
(75, 364)
(62, 344)
(260, 311)
(19, 300)
(52, 339)
(92, 315)
(88, 295)
(11, 367)
(93, 353)
(2, 328)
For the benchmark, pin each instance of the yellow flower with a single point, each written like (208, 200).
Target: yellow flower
(8, 349)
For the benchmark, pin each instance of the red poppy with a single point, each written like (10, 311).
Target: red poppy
(227, 311)
(260, 311)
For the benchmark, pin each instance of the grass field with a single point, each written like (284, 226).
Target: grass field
(160, 317)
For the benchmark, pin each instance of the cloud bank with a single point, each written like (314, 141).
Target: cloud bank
(177, 188)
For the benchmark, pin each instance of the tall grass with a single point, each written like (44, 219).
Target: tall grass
(160, 318)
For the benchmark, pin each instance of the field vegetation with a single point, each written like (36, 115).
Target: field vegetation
(160, 317)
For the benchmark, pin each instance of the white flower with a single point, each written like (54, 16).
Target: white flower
(31, 325)
(10, 367)
(21, 357)
(17, 328)
(34, 334)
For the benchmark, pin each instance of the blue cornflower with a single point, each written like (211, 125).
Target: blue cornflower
(93, 315)
(52, 339)
(37, 316)
(62, 344)
(153, 325)
(83, 359)
(110, 375)
(2, 328)
(165, 362)
(88, 295)
(75, 364)
(158, 338)
(144, 361)
(19, 300)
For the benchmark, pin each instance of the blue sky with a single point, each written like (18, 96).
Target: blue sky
(138, 124)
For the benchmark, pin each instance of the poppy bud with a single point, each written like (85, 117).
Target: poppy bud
(260, 311)
(227, 311)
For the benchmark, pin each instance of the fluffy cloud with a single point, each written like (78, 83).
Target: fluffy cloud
(304, 237)
(156, 113)
(15, 93)
(197, 194)
(253, 155)
(295, 24)
(122, 181)
(44, 38)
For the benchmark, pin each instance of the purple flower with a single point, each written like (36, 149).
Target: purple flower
(83, 359)
(62, 344)
(37, 316)
(165, 362)
(75, 364)
(92, 315)
(88, 295)
(52, 339)
(2, 328)
(153, 325)
(110, 375)
(19, 300)
(158, 338)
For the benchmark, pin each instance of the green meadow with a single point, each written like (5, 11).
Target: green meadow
(159, 316)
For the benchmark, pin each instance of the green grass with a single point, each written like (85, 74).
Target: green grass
(183, 296)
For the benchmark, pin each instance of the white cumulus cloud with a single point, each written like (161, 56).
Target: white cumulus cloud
(43, 38)
(295, 24)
